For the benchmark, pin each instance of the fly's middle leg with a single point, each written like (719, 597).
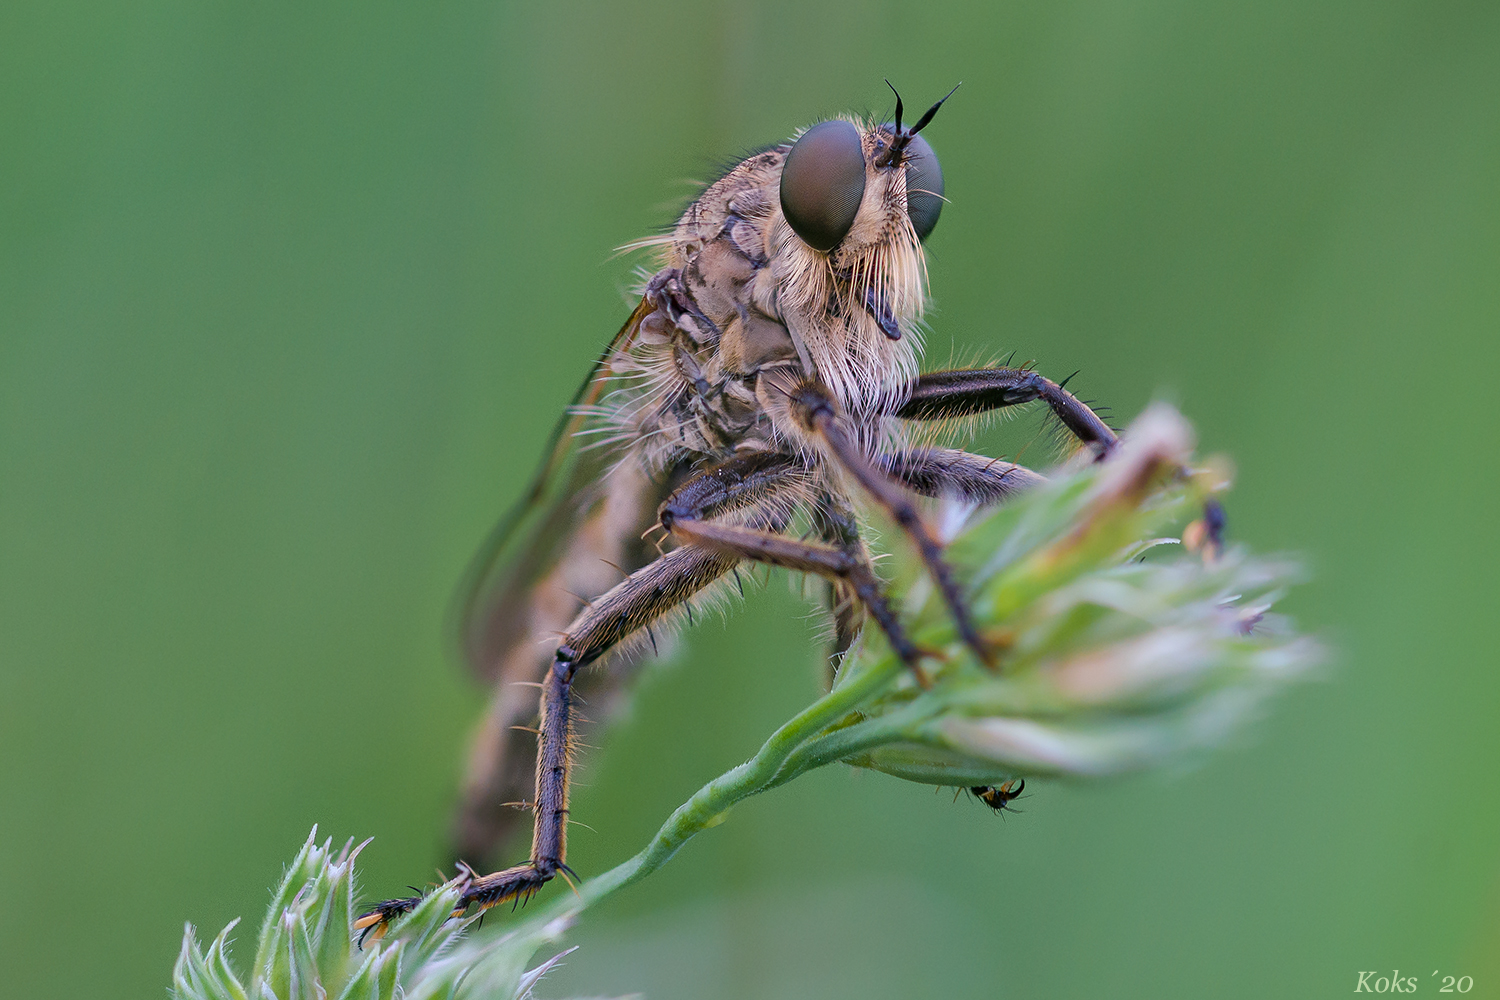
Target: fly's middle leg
(837, 524)
(948, 472)
(690, 514)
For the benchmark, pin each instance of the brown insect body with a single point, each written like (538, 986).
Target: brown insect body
(739, 311)
(760, 380)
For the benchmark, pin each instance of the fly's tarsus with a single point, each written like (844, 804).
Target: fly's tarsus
(1206, 535)
(965, 392)
(513, 885)
(373, 923)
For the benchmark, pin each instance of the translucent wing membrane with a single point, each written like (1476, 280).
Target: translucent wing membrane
(567, 539)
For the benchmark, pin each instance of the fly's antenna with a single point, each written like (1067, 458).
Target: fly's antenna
(928, 115)
(888, 83)
(904, 136)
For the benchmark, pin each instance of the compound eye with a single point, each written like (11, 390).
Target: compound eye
(924, 186)
(822, 183)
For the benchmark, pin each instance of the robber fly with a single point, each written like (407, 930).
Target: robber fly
(765, 379)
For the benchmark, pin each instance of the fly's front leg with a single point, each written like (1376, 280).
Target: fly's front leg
(637, 602)
(815, 409)
(965, 392)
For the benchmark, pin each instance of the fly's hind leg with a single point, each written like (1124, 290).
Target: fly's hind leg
(637, 602)
(633, 605)
(749, 483)
(714, 549)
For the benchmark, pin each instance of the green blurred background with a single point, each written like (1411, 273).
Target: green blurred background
(290, 294)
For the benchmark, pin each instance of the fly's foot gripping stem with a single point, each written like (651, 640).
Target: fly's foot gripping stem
(513, 885)
(373, 923)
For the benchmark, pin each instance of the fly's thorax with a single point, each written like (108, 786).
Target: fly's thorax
(676, 396)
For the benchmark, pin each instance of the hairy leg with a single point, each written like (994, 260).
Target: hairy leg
(686, 515)
(964, 392)
(713, 549)
(750, 482)
(814, 407)
(635, 604)
(808, 557)
(516, 603)
(939, 472)
(836, 524)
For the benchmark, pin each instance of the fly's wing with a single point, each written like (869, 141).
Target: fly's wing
(555, 545)
(569, 539)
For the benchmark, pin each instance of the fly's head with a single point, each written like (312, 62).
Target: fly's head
(822, 236)
(857, 199)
